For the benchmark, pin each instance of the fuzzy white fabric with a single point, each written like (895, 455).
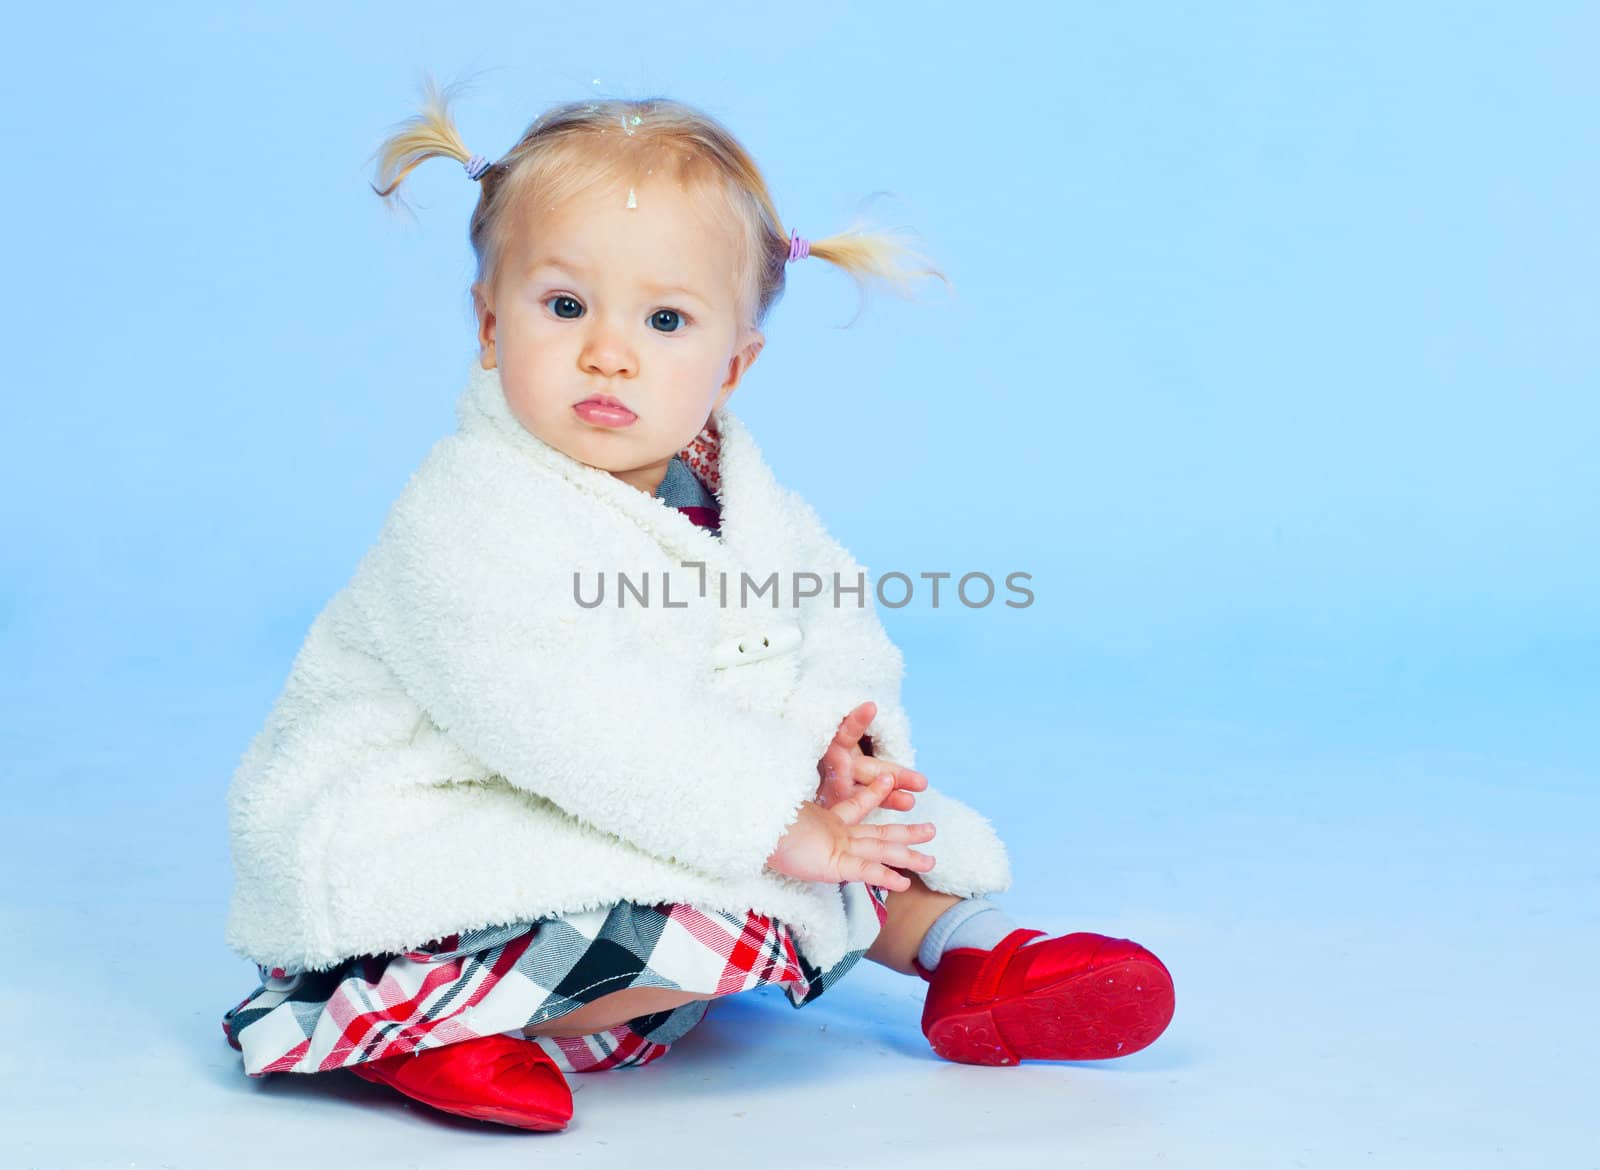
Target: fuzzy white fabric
(460, 743)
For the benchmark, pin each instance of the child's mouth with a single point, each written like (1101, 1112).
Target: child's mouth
(604, 414)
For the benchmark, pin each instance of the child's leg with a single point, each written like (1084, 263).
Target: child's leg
(609, 1011)
(911, 912)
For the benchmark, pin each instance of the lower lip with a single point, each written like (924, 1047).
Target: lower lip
(604, 416)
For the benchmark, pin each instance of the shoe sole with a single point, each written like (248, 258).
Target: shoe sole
(499, 1114)
(544, 1123)
(1095, 1015)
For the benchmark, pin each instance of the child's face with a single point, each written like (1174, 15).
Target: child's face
(638, 303)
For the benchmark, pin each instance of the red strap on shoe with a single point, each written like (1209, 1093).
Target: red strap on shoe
(986, 986)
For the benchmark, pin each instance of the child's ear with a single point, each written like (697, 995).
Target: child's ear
(486, 323)
(739, 363)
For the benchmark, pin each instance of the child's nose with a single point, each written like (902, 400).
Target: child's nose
(606, 353)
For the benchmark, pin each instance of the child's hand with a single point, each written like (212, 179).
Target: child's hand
(832, 845)
(845, 768)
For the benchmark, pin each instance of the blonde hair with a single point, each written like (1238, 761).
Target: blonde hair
(572, 147)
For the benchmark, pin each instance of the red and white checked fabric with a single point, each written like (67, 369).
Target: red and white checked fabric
(620, 1047)
(503, 979)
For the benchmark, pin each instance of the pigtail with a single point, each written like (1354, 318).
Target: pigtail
(431, 133)
(887, 258)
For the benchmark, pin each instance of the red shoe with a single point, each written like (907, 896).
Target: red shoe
(1078, 997)
(491, 1078)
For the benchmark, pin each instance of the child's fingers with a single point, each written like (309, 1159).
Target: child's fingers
(867, 797)
(905, 779)
(912, 780)
(859, 869)
(854, 725)
(896, 833)
(898, 798)
(873, 851)
(901, 798)
(903, 857)
(859, 717)
(892, 853)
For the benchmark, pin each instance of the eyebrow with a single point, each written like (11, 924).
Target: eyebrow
(579, 270)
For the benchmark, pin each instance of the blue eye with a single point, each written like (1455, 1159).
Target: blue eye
(569, 309)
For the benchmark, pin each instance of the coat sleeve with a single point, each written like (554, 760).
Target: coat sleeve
(850, 658)
(595, 716)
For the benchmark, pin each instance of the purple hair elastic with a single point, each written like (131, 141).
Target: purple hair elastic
(476, 165)
(799, 247)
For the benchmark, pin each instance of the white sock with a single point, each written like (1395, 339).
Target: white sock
(971, 922)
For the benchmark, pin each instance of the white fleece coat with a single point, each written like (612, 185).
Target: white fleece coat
(460, 743)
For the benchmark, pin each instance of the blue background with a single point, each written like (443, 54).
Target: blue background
(1271, 357)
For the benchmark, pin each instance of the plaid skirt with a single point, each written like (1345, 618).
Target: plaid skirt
(501, 979)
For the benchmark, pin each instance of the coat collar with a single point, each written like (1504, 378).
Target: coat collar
(724, 453)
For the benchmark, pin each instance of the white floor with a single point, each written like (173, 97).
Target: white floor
(1384, 953)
